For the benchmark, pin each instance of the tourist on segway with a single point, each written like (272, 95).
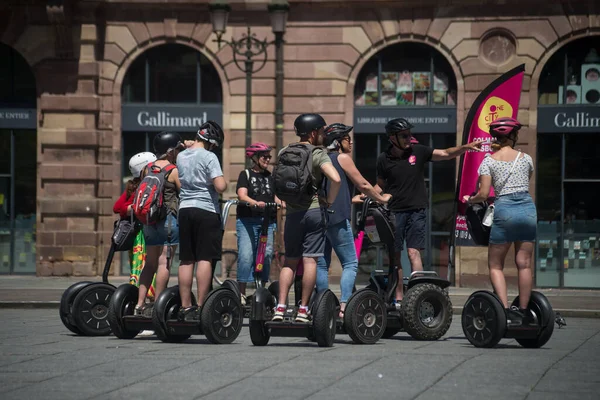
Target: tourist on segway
(124, 207)
(201, 233)
(339, 230)
(161, 230)
(515, 216)
(306, 215)
(400, 171)
(254, 189)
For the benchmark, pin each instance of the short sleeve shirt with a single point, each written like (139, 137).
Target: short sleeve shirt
(197, 169)
(260, 188)
(503, 180)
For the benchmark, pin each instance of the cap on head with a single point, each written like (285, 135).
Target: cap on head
(306, 123)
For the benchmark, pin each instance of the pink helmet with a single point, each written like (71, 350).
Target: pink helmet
(255, 148)
(504, 126)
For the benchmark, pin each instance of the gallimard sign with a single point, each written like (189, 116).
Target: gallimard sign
(565, 119)
(18, 118)
(168, 117)
(425, 120)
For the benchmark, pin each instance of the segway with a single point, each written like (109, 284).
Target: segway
(484, 321)
(84, 305)
(322, 308)
(220, 318)
(426, 312)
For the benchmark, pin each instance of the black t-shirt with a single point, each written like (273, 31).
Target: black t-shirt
(404, 177)
(260, 188)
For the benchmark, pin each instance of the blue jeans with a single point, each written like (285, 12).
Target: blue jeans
(340, 237)
(248, 232)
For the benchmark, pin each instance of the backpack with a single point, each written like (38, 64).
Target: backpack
(292, 177)
(148, 205)
(479, 232)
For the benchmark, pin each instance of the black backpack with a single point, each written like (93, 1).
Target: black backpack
(292, 177)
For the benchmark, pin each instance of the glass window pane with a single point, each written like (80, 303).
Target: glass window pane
(25, 207)
(548, 181)
(443, 186)
(210, 83)
(17, 82)
(4, 225)
(581, 160)
(5, 144)
(365, 90)
(134, 84)
(172, 74)
(582, 235)
(365, 155)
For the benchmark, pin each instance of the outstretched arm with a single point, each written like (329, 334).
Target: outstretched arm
(453, 152)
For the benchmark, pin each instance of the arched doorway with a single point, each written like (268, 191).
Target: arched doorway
(170, 87)
(414, 81)
(568, 168)
(18, 183)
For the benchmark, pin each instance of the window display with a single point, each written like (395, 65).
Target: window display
(406, 79)
(581, 78)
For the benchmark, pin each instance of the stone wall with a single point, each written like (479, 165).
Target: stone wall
(79, 77)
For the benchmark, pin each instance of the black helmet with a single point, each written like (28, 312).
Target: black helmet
(212, 133)
(335, 132)
(397, 125)
(165, 142)
(306, 123)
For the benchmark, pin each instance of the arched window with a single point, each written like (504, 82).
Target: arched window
(406, 74)
(414, 81)
(172, 73)
(568, 167)
(18, 164)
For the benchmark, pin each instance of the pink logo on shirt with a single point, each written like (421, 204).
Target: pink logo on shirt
(412, 159)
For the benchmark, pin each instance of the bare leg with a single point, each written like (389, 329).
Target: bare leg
(163, 273)
(242, 286)
(399, 288)
(309, 278)
(203, 278)
(286, 278)
(523, 255)
(414, 256)
(153, 253)
(496, 257)
(185, 274)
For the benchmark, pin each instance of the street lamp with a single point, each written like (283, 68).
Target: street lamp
(248, 48)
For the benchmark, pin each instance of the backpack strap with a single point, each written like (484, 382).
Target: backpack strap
(247, 171)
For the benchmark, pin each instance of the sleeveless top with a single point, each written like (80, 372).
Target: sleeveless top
(171, 196)
(342, 206)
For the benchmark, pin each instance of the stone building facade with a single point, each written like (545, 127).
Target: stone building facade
(81, 51)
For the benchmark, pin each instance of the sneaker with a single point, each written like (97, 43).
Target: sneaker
(243, 300)
(187, 314)
(138, 311)
(279, 313)
(146, 332)
(302, 315)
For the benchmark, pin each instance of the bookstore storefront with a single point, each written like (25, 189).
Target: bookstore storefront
(413, 81)
(18, 164)
(568, 168)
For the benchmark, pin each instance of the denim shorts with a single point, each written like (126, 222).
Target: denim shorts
(158, 234)
(515, 219)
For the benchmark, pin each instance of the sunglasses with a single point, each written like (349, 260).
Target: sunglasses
(348, 139)
(266, 157)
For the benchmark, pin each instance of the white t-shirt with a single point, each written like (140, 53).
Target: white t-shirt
(518, 181)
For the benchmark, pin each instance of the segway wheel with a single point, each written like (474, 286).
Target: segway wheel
(324, 320)
(365, 317)
(66, 304)
(222, 316)
(122, 303)
(233, 286)
(90, 309)
(483, 319)
(259, 333)
(544, 314)
(167, 307)
(427, 312)
(390, 332)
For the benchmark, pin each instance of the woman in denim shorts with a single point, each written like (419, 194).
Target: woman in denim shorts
(515, 216)
(166, 232)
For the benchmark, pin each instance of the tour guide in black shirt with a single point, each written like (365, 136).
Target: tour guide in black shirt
(400, 173)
